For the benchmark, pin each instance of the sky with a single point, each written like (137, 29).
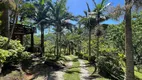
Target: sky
(77, 7)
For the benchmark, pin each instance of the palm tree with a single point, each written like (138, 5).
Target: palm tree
(129, 75)
(128, 38)
(93, 18)
(41, 19)
(59, 14)
(128, 42)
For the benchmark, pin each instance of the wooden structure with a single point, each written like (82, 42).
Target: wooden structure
(21, 30)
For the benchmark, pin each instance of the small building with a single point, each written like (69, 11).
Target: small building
(21, 30)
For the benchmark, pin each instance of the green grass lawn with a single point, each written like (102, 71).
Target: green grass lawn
(73, 72)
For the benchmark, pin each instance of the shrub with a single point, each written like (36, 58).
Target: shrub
(80, 55)
(15, 52)
(3, 55)
(13, 45)
(110, 67)
(85, 56)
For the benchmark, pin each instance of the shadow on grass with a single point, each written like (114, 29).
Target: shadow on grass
(41, 71)
(7, 68)
(72, 72)
(92, 77)
(73, 60)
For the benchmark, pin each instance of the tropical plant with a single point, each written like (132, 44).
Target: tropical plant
(14, 54)
(59, 16)
(39, 13)
(93, 18)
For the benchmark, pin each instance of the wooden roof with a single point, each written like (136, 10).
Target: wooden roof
(23, 29)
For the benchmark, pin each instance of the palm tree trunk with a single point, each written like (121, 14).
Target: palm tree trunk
(32, 41)
(79, 46)
(55, 50)
(69, 49)
(96, 66)
(89, 43)
(60, 44)
(128, 43)
(57, 42)
(64, 50)
(97, 47)
(42, 40)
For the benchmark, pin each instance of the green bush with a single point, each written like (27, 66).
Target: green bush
(3, 55)
(110, 67)
(80, 55)
(14, 53)
(13, 45)
(85, 56)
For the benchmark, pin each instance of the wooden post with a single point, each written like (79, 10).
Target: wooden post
(32, 40)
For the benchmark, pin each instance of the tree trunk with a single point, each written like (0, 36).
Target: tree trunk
(79, 46)
(69, 49)
(1, 65)
(55, 50)
(60, 44)
(89, 42)
(128, 43)
(96, 65)
(57, 42)
(97, 47)
(32, 41)
(10, 33)
(5, 23)
(42, 40)
(64, 50)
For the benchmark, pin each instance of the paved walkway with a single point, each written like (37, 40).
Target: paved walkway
(84, 72)
(59, 75)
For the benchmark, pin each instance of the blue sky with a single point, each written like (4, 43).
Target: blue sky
(78, 6)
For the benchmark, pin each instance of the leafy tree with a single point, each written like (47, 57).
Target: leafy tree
(39, 12)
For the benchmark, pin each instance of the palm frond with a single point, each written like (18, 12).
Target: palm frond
(103, 3)
(85, 12)
(88, 7)
(94, 3)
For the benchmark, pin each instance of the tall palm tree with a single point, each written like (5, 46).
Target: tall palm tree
(38, 11)
(59, 14)
(41, 19)
(93, 18)
(128, 37)
(129, 75)
(128, 42)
